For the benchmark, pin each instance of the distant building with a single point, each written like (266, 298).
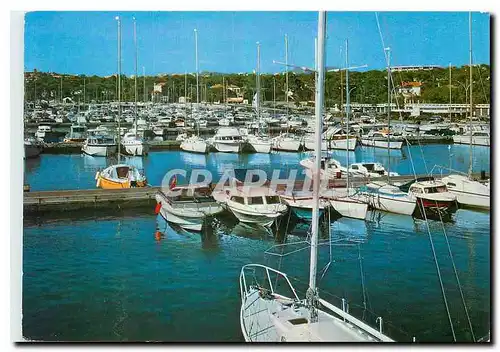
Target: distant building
(414, 68)
(410, 88)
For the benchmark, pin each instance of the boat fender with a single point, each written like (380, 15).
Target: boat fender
(158, 208)
(98, 183)
(97, 175)
(158, 235)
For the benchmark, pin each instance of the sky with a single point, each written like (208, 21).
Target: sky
(86, 42)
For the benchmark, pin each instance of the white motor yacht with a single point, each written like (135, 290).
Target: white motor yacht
(134, 145)
(228, 140)
(194, 144)
(99, 145)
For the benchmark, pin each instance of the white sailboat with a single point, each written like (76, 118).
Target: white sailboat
(259, 143)
(468, 191)
(195, 144)
(120, 175)
(269, 315)
(133, 143)
(382, 195)
(346, 201)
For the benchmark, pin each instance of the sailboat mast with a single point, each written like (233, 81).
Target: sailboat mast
(470, 92)
(286, 73)
(196, 57)
(258, 85)
(135, 77)
(347, 105)
(316, 171)
(119, 82)
(450, 93)
(388, 113)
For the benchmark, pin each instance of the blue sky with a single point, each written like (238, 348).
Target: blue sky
(86, 42)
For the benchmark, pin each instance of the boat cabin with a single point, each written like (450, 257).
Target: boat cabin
(428, 187)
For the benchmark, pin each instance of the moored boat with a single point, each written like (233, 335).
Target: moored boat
(120, 176)
(99, 145)
(187, 205)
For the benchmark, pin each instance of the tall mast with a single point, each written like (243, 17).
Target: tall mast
(119, 82)
(318, 106)
(286, 73)
(144, 82)
(258, 85)
(185, 92)
(470, 92)
(450, 93)
(196, 57)
(135, 77)
(347, 105)
(388, 112)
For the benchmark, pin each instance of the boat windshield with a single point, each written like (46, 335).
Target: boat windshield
(272, 200)
(255, 200)
(439, 189)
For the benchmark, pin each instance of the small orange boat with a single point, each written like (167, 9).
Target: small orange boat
(120, 176)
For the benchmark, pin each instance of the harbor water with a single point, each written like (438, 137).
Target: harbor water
(96, 277)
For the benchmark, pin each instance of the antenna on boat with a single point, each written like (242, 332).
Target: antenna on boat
(312, 293)
(119, 81)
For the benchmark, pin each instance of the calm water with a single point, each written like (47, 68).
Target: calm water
(94, 278)
(53, 172)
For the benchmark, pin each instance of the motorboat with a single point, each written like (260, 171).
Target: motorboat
(434, 196)
(330, 168)
(187, 205)
(77, 134)
(228, 140)
(134, 145)
(381, 139)
(120, 176)
(32, 148)
(469, 192)
(386, 197)
(478, 138)
(371, 170)
(99, 145)
(254, 205)
(194, 144)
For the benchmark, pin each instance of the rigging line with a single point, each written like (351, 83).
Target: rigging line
(421, 203)
(456, 273)
(362, 276)
(392, 81)
(482, 85)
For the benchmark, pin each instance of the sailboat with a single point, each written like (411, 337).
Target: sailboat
(269, 315)
(346, 201)
(133, 144)
(195, 143)
(469, 192)
(259, 142)
(382, 195)
(120, 175)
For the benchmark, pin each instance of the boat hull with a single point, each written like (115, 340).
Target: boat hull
(350, 208)
(264, 219)
(194, 147)
(342, 144)
(136, 149)
(99, 150)
(264, 148)
(476, 140)
(227, 147)
(370, 142)
(287, 145)
(31, 151)
(392, 204)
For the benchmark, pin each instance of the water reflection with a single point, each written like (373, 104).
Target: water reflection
(32, 164)
(94, 164)
(194, 159)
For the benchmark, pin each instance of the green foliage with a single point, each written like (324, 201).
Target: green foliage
(368, 87)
